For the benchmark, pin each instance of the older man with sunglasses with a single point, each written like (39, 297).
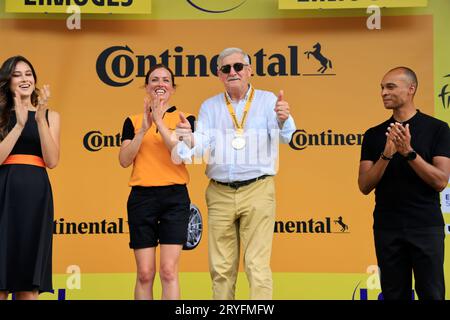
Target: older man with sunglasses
(239, 131)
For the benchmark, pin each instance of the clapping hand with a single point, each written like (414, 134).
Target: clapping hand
(158, 109)
(42, 103)
(20, 109)
(401, 136)
(147, 119)
(389, 148)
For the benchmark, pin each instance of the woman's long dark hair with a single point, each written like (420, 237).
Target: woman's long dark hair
(6, 96)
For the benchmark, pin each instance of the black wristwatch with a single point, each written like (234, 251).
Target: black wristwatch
(411, 155)
(382, 156)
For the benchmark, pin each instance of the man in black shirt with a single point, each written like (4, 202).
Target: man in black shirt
(406, 159)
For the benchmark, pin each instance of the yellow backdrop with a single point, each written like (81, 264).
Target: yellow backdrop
(96, 79)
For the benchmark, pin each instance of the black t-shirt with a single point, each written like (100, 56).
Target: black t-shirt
(403, 199)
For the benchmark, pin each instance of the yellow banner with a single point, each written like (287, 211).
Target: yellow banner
(85, 6)
(323, 222)
(348, 4)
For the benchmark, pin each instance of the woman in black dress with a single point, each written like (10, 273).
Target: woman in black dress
(29, 142)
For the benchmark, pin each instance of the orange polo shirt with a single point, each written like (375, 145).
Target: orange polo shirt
(153, 165)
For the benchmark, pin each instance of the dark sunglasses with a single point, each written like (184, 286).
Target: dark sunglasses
(237, 67)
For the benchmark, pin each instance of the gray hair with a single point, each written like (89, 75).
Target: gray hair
(229, 51)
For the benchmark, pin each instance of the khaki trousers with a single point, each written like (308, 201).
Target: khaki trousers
(246, 217)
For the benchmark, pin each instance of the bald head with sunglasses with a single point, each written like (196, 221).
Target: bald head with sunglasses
(234, 70)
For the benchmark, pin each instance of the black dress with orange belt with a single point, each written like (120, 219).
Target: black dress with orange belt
(26, 215)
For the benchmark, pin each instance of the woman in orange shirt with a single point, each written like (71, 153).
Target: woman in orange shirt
(158, 205)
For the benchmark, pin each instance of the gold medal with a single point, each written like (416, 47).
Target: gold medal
(238, 141)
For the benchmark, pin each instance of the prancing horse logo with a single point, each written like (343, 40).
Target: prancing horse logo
(341, 223)
(323, 61)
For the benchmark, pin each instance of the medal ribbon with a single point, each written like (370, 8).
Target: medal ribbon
(239, 126)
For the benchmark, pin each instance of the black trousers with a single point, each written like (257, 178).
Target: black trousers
(401, 252)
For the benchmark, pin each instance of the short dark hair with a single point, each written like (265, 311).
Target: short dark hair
(160, 66)
(410, 74)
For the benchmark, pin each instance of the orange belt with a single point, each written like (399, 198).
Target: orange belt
(25, 159)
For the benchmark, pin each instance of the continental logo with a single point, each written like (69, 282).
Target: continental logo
(118, 66)
(61, 226)
(95, 141)
(224, 6)
(320, 226)
(301, 139)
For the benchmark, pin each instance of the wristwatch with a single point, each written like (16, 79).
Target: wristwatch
(411, 155)
(382, 156)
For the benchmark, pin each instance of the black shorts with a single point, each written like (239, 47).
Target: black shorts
(158, 214)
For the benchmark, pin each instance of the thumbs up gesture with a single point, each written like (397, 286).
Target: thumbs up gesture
(183, 120)
(282, 108)
(183, 130)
